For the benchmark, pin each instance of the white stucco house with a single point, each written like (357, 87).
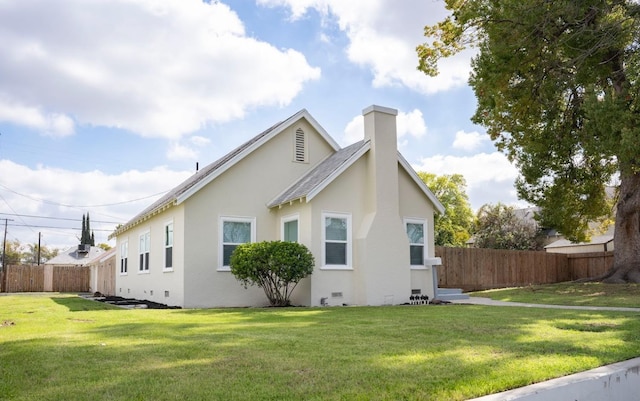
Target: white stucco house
(361, 210)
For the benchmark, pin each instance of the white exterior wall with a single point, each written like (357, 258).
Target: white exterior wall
(413, 205)
(302, 293)
(379, 272)
(157, 285)
(345, 195)
(242, 191)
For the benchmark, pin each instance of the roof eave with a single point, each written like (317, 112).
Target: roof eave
(412, 173)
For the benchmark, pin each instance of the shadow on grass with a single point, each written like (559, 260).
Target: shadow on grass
(390, 353)
(78, 304)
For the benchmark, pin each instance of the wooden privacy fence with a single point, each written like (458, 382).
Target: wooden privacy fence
(27, 278)
(473, 269)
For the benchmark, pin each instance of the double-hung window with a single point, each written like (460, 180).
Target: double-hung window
(234, 231)
(290, 228)
(124, 257)
(168, 246)
(415, 232)
(336, 240)
(145, 243)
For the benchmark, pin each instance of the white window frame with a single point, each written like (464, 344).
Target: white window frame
(124, 257)
(166, 268)
(221, 243)
(425, 251)
(288, 219)
(348, 242)
(144, 267)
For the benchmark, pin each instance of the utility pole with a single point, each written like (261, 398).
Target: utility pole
(39, 238)
(3, 285)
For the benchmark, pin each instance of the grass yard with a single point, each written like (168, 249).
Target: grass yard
(61, 347)
(580, 294)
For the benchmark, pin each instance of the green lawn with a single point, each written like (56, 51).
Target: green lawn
(62, 347)
(580, 294)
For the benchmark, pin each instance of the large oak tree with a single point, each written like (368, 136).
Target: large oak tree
(558, 91)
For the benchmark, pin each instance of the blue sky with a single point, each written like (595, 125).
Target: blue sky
(106, 104)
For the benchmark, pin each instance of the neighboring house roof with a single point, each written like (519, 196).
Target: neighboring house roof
(72, 256)
(104, 256)
(595, 240)
(207, 174)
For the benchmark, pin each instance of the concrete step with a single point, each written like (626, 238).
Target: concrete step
(449, 294)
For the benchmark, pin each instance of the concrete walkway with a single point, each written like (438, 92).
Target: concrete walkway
(491, 302)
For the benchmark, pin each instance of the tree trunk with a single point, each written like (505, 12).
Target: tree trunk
(626, 265)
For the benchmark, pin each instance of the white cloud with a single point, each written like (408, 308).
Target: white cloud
(199, 140)
(52, 124)
(43, 191)
(411, 123)
(383, 37)
(178, 151)
(469, 141)
(166, 68)
(490, 177)
(354, 131)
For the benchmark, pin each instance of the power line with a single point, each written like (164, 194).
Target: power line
(57, 218)
(57, 228)
(80, 206)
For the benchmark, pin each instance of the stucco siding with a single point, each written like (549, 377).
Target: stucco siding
(157, 284)
(240, 192)
(413, 205)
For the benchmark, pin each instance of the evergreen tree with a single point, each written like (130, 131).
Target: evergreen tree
(83, 238)
(87, 236)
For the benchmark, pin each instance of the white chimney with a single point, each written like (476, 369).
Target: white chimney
(380, 129)
(383, 246)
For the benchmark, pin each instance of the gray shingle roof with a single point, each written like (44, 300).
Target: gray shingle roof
(319, 174)
(71, 256)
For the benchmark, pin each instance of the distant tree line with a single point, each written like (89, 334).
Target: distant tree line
(493, 226)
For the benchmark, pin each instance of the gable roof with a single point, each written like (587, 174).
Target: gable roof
(423, 187)
(71, 256)
(318, 178)
(210, 172)
(322, 175)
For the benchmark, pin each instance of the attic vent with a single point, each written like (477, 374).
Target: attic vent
(299, 146)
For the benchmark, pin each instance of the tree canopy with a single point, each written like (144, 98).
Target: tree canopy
(453, 227)
(499, 227)
(557, 89)
(17, 253)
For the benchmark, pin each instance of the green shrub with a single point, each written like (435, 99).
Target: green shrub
(276, 266)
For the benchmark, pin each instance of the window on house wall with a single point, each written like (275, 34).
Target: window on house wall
(145, 242)
(415, 232)
(235, 231)
(124, 257)
(290, 229)
(337, 240)
(168, 246)
(300, 146)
